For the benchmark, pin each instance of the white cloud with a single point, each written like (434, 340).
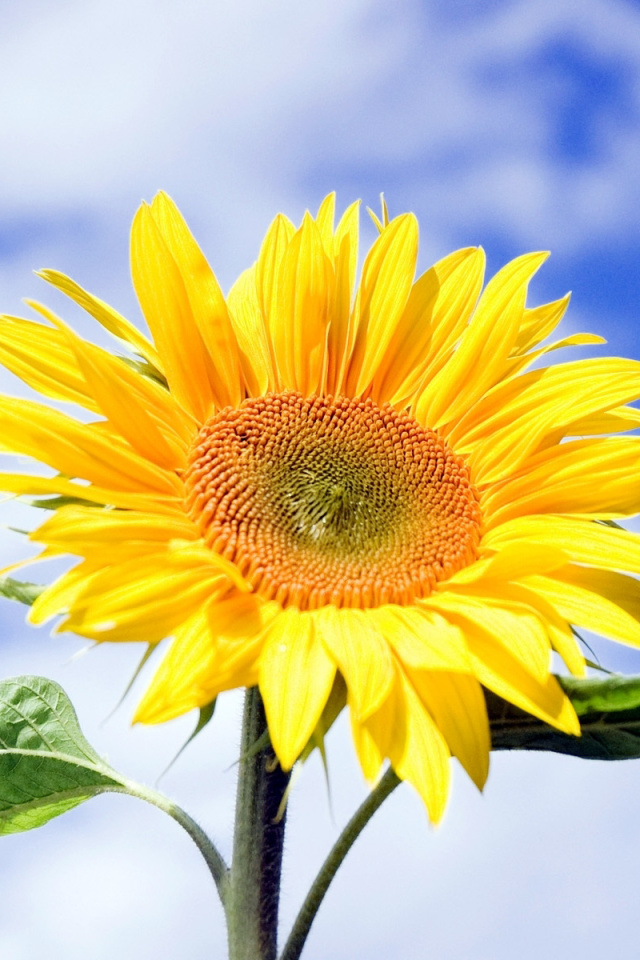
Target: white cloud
(465, 122)
(235, 107)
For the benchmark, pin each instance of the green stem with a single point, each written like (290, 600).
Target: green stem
(306, 916)
(214, 860)
(254, 882)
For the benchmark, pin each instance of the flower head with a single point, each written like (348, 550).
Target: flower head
(334, 490)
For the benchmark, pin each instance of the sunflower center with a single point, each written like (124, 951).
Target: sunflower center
(330, 500)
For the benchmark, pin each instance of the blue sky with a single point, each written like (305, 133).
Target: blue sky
(511, 124)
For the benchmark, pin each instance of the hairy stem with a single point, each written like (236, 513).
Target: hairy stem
(253, 894)
(355, 826)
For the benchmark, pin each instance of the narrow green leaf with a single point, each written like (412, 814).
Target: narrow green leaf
(609, 712)
(21, 591)
(46, 765)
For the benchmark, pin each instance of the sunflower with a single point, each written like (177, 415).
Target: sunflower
(338, 492)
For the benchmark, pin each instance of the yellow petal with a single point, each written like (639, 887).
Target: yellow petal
(346, 240)
(142, 411)
(60, 595)
(479, 360)
(361, 654)
(305, 295)
(74, 524)
(421, 638)
(456, 310)
(256, 359)
(43, 360)
(512, 422)
(590, 477)
(458, 707)
(501, 672)
(29, 485)
(366, 738)
(385, 730)
(565, 643)
(197, 666)
(78, 450)
(557, 628)
(438, 309)
(421, 756)
(341, 331)
(146, 391)
(324, 222)
(618, 420)
(175, 687)
(595, 600)
(207, 303)
(539, 322)
(142, 609)
(582, 541)
(512, 625)
(165, 304)
(296, 676)
(548, 387)
(109, 318)
(268, 269)
(387, 276)
(239, 624)
(129, 601)
(517, 363)
(512, 560)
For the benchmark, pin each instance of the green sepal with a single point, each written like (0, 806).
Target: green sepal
(205, 715)
(609, 713)
(151, 648)
(145, 369)
(333, 708)
(20, 590)
(597, 666)
(54, 503)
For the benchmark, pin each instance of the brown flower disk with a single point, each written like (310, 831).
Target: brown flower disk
(331, 500)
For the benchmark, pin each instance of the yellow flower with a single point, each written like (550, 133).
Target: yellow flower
(303, 486)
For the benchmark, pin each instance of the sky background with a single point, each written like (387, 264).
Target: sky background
(508, 123)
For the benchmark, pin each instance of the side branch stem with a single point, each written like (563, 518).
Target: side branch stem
(355, 826)
(213, 858)
(254, 882)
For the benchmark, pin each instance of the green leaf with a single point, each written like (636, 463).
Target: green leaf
(614, 694)
(46, 765)
(609, 712)
(19, 590)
